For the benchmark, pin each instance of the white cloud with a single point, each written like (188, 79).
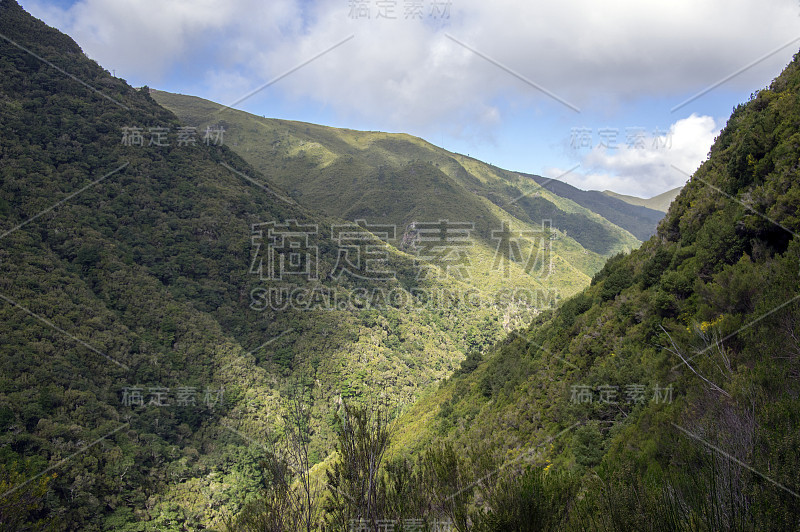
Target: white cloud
(658, 164)
(410, 74)
(145, 39)
(581, 51)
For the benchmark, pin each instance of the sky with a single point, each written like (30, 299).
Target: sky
(620, 95)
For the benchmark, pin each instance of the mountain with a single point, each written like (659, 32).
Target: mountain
(666, 395)
(194, 339)
(398, 178)
(658, 203)
(640, 219)
(162, 301)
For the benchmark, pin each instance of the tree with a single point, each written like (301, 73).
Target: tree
(449, 483)
(354, 481)
(21, 499)
(289, 500)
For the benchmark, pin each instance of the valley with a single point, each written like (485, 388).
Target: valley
(213, 320)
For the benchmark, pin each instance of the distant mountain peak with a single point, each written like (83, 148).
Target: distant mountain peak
(659, 202)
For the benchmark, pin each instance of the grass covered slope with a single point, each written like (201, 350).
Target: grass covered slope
(397, 178)
(670, 388)
(660, 202)
(639, 218)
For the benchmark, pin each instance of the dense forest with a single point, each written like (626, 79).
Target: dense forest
(663, 397)
(145, 385)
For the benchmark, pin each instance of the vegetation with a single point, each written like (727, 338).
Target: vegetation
(668, 387)
(399, 179)
(130, 307)
(146, 387)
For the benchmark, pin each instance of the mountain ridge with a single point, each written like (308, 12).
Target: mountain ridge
(637, 218)
(311, 160)
(659, 202)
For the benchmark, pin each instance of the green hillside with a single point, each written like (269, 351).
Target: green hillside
(640, 219)
(400, 179)
(195, 338)
(145, 308)
(666, 395)
(660, 202)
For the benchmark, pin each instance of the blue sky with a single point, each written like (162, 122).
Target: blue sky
(541, 88)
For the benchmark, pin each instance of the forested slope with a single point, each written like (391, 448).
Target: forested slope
(142, 363)
(669, 389)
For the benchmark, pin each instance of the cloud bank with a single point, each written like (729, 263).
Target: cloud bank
(648, 165)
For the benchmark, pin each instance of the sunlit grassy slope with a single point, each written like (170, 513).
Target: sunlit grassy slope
(659, 203)
(399, 179)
